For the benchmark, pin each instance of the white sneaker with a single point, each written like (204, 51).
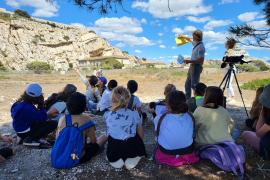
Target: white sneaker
(117, 164)
(132, 162)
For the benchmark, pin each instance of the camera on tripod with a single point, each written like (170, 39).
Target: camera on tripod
(231, 60)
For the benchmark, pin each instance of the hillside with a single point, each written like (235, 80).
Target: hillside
(24, 40)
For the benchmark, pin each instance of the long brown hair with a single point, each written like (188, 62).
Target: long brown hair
(256, 105)
(29, 99)
(176, 102)
(213, 97)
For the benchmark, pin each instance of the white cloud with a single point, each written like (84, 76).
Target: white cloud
(124, 30)
(217, 23)
(162, 46)
(120, 45)
(160, 34)
(138, 51)
(78, 25)
(199, 20)
(189, 28)
(159, 8)
(143, 21)
(259, 24)
(178, 30)
(120, 25)
(42, 8)
(248, 16)
(228, 1)
(173, 47)
(186, 29)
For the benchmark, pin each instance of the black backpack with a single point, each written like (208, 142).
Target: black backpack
(51, 101)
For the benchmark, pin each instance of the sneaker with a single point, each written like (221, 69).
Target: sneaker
(30, 142)
(117, 164)
(44, 144)
(132, 162)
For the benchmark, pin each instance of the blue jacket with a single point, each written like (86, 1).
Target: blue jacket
(25, 114)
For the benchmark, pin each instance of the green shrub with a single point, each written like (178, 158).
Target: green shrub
(2, 67)
(39, 66)
(66, 38)
(261, 65)
(247, 68)
(111, 63)
(255, 84)
(5, 16)
(22, 13)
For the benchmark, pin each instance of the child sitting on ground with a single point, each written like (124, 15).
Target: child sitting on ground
(260, 140)
(92, 94)
(5, 152)
(255, 110)
(56, 103)
(213, 122)
(76, 105)
(30, 120)
(174, 131)
(158, 108)
(105, 102)
(134, 102)
(125, 132)
(102, 81)
(197, 100)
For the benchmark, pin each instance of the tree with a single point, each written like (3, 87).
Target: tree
(22, 13)
(249, 35)
(144, 59)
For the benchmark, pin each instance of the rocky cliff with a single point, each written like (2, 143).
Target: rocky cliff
(23, 40)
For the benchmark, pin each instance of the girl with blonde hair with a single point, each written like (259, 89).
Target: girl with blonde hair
(125, 132)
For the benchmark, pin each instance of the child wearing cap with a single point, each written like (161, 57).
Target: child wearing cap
(30, 120)
(125, 132)
(260, 140)
(76, 105)
(102, 81)
(197, 100)
(105, 102)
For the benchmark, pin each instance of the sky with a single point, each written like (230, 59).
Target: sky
(147, 28)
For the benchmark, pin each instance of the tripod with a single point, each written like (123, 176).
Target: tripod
(227, 79)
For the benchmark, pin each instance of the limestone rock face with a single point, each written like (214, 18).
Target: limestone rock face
(25, 40)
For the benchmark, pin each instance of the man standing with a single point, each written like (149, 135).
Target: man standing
(196, 62)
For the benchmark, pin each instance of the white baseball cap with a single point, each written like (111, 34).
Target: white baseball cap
(33, 90)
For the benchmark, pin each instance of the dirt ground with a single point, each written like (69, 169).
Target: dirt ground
(35, 163)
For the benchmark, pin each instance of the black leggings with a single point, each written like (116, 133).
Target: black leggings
(6, 152)
(39, 130)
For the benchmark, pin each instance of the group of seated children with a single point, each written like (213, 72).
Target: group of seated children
(178, 133)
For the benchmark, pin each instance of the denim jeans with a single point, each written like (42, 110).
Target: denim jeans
(193, 78)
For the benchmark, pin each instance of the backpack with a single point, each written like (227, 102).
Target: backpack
(226, 155)
(51, 101)
(68, 148)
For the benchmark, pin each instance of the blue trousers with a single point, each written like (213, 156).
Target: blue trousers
(193, 78)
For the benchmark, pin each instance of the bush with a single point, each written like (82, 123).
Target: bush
(2, 67)
(66, 38)
(261, 65)
(22, 13)
(247, 68)
(111, 63)
(39, 66)
(255, 84)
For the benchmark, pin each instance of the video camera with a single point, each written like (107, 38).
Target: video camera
(231, 60)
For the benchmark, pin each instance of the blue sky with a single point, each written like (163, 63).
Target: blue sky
(146, 28)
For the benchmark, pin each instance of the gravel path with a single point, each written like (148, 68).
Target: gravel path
(35, 163)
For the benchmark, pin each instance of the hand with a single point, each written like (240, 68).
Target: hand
(7, 139)
(187, 61)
